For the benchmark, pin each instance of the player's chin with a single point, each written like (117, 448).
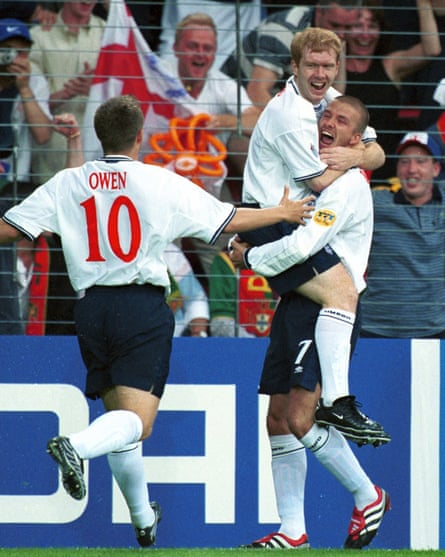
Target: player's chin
(317, 95)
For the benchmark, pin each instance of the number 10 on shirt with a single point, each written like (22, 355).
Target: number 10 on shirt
(121, 203)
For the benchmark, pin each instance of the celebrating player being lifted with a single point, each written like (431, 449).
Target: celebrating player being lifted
(115, 217)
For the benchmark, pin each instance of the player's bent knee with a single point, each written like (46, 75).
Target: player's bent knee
(299, 427)
(276, 423)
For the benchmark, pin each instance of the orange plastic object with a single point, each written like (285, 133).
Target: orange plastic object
(189, 149)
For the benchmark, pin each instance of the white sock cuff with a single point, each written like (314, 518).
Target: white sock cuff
(109, 432)
(128, 448)
(338, 315)
(315, 438)
(283, 445)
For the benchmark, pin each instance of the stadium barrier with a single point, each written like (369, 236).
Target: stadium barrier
(208, 461)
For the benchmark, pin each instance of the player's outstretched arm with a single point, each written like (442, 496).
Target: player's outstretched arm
(294, 212)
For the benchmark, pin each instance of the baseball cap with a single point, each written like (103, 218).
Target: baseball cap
(10, 27)
(421, 138)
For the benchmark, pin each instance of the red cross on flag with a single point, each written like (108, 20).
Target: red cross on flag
(127, 66)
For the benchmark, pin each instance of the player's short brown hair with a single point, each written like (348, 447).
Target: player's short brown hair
(316, 39)
(359, 107)
(117, 122)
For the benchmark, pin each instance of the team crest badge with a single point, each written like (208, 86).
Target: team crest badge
(263, 322)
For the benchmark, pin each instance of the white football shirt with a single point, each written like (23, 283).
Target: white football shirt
(343, 218)
(116, 216)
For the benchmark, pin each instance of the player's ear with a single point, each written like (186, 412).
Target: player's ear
(355, 139)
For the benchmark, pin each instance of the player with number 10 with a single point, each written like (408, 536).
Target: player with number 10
(115, 217)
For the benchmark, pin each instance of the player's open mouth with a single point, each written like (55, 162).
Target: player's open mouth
(326, 138)
(318, 86)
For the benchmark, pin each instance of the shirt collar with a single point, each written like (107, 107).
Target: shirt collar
(318, 108)
(115, 158)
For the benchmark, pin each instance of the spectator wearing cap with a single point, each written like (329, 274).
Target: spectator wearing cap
(405, 297)
(24, 109)
(24, 114)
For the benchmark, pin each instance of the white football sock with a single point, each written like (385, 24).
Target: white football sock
(289, 475)
(332, 450)
(127, 467)
(333, 331)
(110, 432)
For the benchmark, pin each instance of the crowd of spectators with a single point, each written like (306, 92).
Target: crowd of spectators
(231, 58)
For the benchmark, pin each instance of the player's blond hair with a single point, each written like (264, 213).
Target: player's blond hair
(117, 122)
(197, 19)
(315, 39)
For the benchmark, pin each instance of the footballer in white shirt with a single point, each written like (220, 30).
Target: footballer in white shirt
(115, 217)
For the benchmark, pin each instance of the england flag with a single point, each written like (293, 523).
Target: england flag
(127, 66)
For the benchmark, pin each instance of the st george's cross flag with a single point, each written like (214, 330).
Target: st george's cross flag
(127, 66)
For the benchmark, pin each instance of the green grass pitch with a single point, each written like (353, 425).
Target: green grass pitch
(208, 552)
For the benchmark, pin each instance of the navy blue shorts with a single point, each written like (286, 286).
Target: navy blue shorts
(291, 357)
(297, 275)
(125, 337)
